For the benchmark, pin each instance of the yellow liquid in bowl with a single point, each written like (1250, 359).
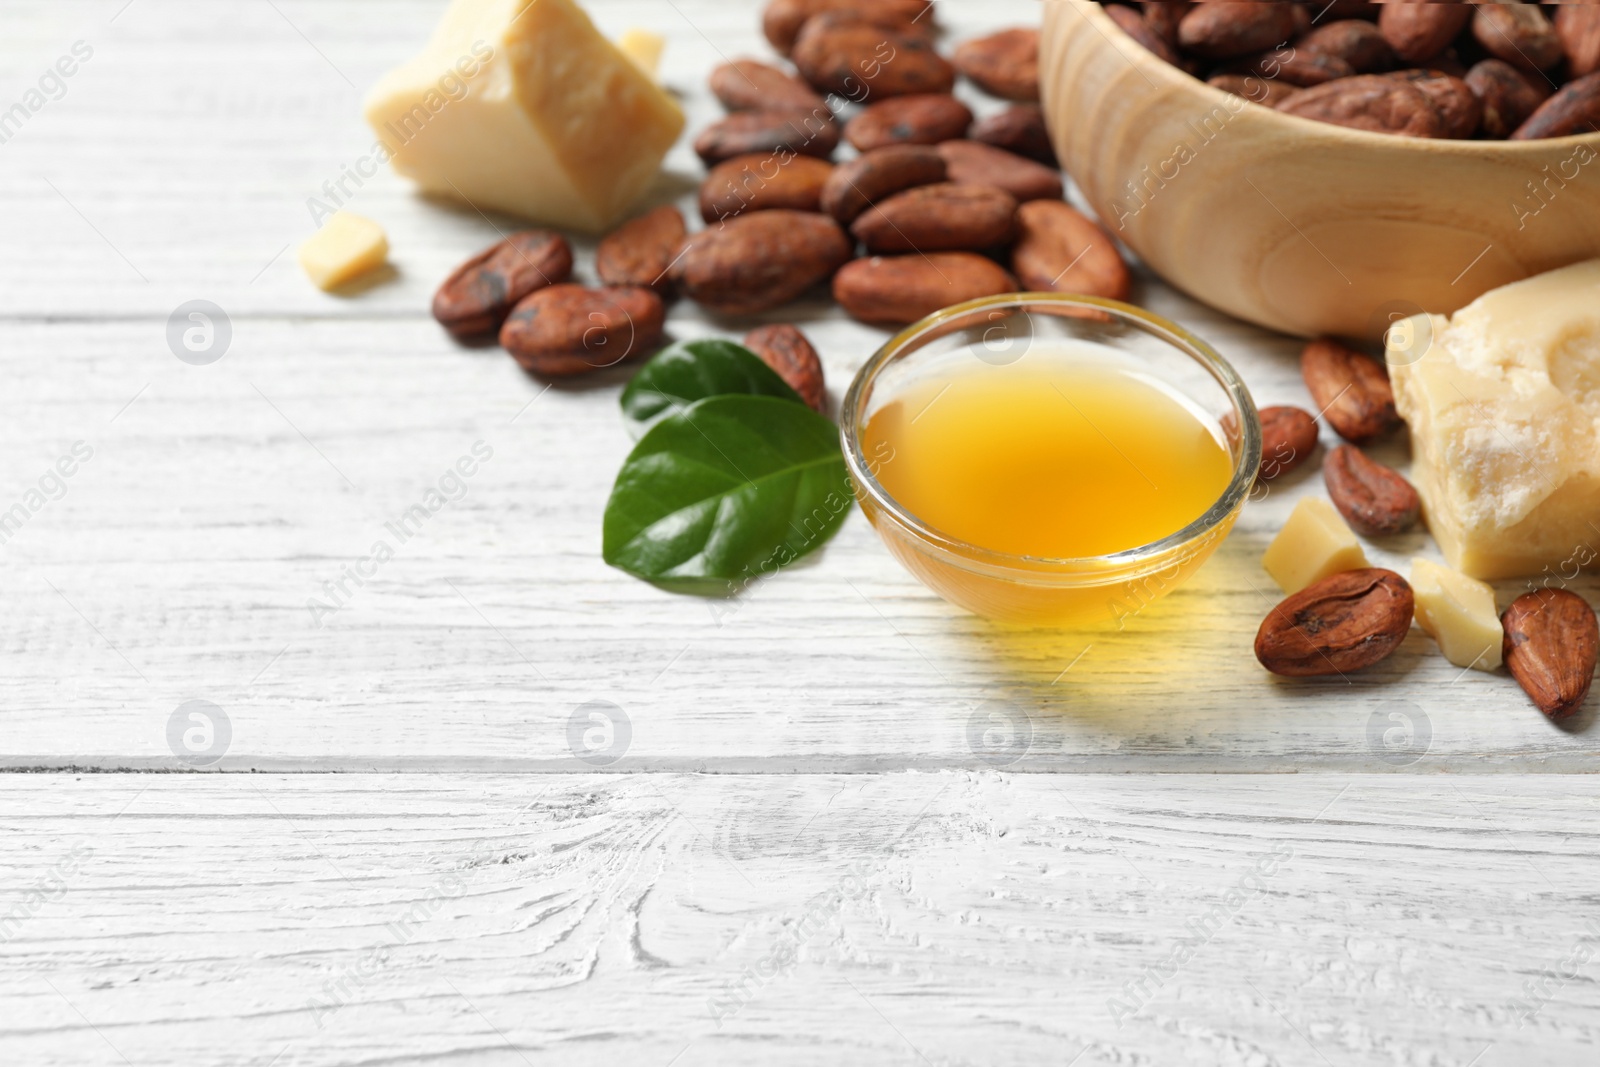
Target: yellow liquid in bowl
(1048, 458)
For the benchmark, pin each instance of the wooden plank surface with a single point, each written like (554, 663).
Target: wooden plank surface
(937, 918)
(179, 564)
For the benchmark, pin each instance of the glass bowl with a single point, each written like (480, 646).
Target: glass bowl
(1002, 331)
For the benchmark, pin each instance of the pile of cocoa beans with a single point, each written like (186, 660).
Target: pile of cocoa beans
(1446, 70)
(941, 208)
(932, 207)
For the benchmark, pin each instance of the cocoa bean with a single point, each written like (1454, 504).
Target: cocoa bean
(1357, 42)
(750, 85)
(565, 330)
(806, 133)
(1350, 389)
(1293, 66)
(1228, 31)
(923, 118)
(641, 251)
(1459, 108)
(1573, 108)
(1508, 96)
(1003, 64)
(1136, 26)
(858, 60)
(1059, 249)
(1578, 26)
(762, 182)
(897, 290)
(783, 19)
(1343, 623)
(1517, 33)
(1377, 102)
(1418, 31)
(477, 296)
(857, 185)
(947, 217)
(1255, 89)
(1020, 129)
(1550, 644)
(1374, 499)
(785, 349)
(973, 163)
(761, 260)
(1288, 438)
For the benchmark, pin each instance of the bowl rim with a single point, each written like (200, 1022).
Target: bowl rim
(1146, 60)
(1221, 511)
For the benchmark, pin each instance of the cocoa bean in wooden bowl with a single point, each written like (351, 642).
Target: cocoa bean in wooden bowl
(1288, 220)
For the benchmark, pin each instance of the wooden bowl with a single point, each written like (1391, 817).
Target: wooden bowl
(1296, 225)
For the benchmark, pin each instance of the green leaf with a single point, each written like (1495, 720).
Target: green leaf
(729, 489)
(694, 370)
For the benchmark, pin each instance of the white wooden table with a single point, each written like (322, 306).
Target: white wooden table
(845, 822)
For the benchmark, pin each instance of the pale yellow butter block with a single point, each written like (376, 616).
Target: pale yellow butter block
(1459, 613)
(522, 106)
(1503, 402)
(346, 247)
(644, 48)
(1313, 544)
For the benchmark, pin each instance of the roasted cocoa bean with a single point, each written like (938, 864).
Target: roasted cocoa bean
(763, 182)
(896, 290)
(761, 260)
(1003, 64)
(947, 217)
(1350, 389)
(641, 251)
(806, 133)
(973, 163)
(565, 330)
(1343, 623)
(478, 295)
(1550, 644)
(1059, 249)
(922, 118)
(857, 185)
(1375, 500)
(785, 349)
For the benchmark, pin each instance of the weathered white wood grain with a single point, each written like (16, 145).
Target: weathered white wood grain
(220, 499)
(943, 918)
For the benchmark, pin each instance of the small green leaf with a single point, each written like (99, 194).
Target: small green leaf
(729, 489)
(694, 370)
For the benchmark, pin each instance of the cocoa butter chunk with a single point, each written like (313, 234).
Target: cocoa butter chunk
(478, 295)
(1345, 622)
(761, 260)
